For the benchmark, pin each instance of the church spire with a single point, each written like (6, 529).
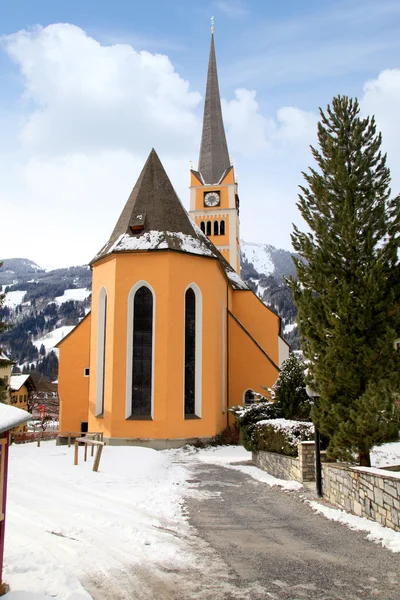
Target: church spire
(214, 156)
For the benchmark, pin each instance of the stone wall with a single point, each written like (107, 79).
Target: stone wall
(301, 468)
(371, 493)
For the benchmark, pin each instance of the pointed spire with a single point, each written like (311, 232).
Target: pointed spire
(214, 156)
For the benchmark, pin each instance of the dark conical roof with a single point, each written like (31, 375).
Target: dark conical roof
(154, 219)
(214, 156)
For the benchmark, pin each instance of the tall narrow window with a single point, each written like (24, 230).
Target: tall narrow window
(208, 227)
(142, 355)
(203, 226)
(222, 228)
(193, 353)
(216, 229)
(190, 352)
(101, 352)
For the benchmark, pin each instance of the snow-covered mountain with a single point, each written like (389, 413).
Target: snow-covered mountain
(266, 259)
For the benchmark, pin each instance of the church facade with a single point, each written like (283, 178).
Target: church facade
(174, 336)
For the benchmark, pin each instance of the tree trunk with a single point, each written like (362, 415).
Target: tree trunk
(364, 458)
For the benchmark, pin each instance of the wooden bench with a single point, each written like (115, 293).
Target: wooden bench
(89, 440)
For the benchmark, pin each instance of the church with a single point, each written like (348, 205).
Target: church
(174, 336)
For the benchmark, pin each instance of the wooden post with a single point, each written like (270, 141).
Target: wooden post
(38, 439)
(69, 440)
(76, 452)
(97, 459)
(85, 455)
(92, 450)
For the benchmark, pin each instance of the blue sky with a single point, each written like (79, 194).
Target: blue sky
(278, 62)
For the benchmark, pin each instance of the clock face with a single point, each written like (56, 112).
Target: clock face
(211, 199)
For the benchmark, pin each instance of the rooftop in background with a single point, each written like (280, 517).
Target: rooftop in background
(17, 381)
(11, 416)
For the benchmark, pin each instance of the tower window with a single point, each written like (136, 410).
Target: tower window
(203, 226)
(142, 355)
(208, 227)
(216, 228)
(222, 228)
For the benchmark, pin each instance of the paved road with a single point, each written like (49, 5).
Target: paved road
(275, 547)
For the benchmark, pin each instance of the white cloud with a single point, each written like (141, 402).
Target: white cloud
(90, 115)
(382, 99)
(87, 95)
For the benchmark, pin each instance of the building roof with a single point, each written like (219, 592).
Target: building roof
(11, 416)
(4, 357)
(17, 381)
(154, 219)
(214, 157)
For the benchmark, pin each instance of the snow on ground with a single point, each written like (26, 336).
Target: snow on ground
(51, 339)
(377, 533)
(386, 455)
(14, 298)
(66, 524)
(229, 456)
(77, 294)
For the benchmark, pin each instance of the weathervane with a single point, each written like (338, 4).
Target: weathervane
(212, 24)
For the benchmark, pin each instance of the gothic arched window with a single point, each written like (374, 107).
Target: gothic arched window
(142, 354)
(203, 226)
(216, 228)
(193, 343)
(208, 227)
(249, 397)
(222, 228)
(101, 351)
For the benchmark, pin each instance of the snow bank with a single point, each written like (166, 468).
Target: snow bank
(227, 456)
(66, 523)
(377, 533)
(78, 294)
(386, 455)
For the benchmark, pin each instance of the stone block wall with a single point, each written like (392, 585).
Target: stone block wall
(371, 493)
(301, 468)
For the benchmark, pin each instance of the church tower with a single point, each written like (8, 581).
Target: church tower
(214, 200)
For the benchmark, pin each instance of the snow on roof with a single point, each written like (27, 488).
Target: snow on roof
(235, 279)
(160, 240)
(11, 416)
(17, 381)
(4, 356)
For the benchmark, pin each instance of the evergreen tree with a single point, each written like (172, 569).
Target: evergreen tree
(289, 391)
(347, 293)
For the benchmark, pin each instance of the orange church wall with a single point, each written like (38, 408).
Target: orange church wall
(168, 274)
(248, 366)
(260, 322)
(103, 276)
(73, 386)
(229, 178)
